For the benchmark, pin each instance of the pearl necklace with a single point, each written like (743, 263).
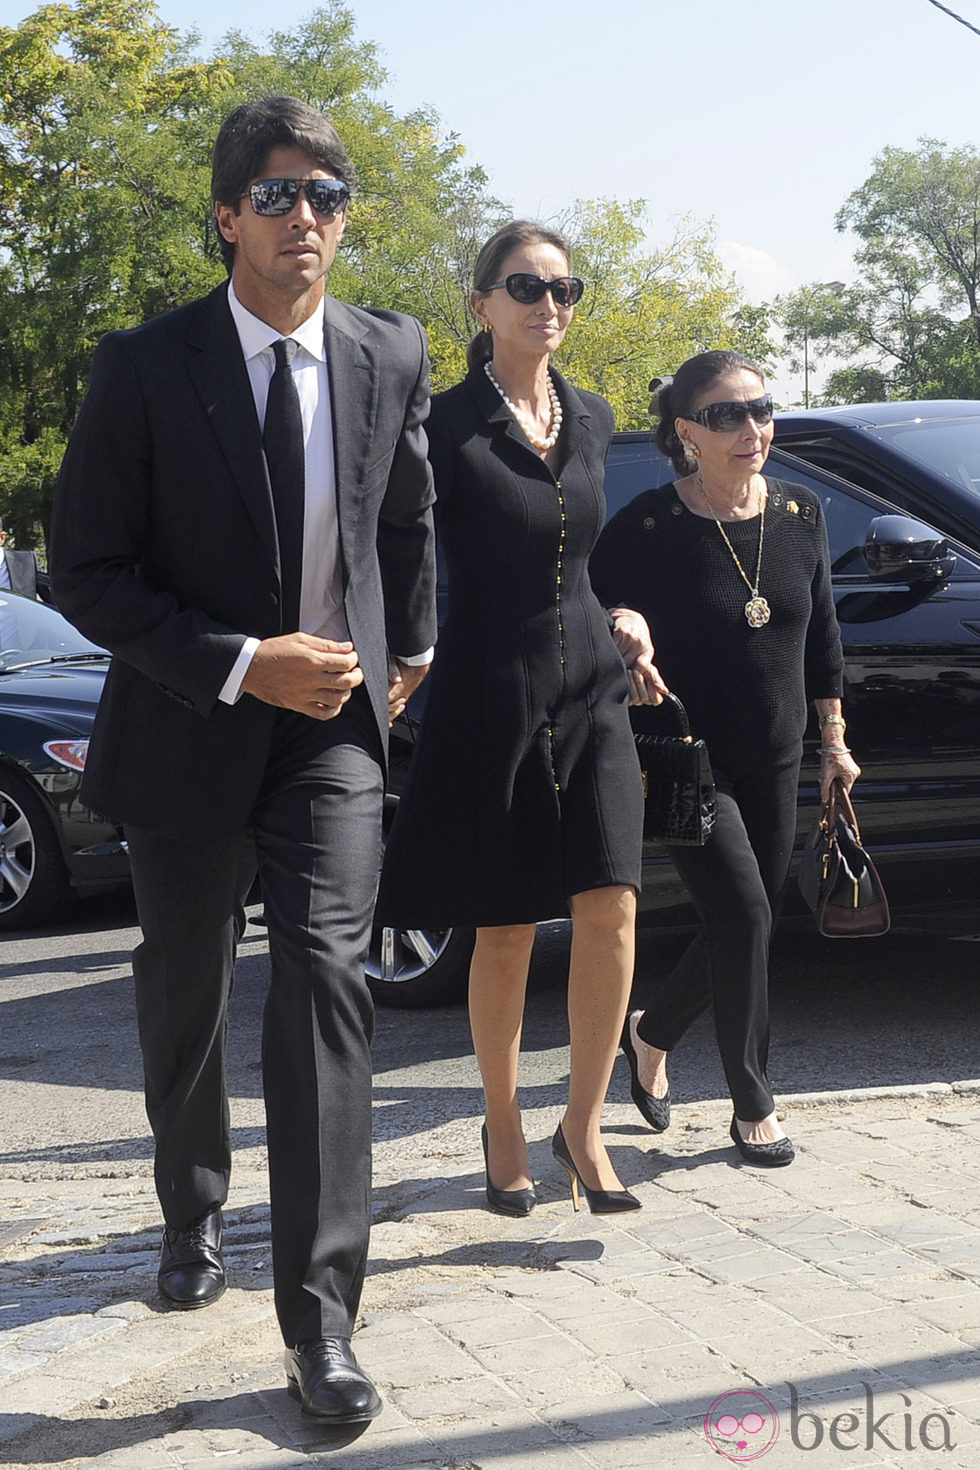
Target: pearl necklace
(526, 423)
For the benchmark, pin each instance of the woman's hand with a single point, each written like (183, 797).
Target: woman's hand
(837, 765)
(632, 637)
(646, 685)
(835, 758)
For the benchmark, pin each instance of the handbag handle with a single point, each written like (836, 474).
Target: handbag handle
(840, 798)
(680, 715)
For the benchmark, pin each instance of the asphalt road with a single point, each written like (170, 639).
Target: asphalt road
(895, 1011)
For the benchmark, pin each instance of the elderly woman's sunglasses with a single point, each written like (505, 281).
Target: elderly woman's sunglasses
(730, 416)
(279, 196)
(565, 290)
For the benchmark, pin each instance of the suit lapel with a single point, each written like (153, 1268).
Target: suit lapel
(353, 374)
(217, 369)
(575, 421)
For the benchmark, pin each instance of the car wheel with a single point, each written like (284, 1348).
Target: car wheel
(408, 969)
(412, 968)
(34, 883)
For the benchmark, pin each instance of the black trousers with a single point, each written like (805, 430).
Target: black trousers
(315, 837)
(735, 882)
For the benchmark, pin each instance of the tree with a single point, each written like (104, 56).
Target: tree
(101, 220)
(106, 122)
(913, 317)
(644, 312)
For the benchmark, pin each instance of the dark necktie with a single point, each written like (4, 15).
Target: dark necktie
(282, 439)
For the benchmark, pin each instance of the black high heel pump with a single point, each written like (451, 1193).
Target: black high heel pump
(517, 1202)
(600, 1201)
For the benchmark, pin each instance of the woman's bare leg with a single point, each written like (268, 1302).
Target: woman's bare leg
(599, 979)
(498, 983)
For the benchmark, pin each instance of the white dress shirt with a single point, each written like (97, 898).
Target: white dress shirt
(322, 597)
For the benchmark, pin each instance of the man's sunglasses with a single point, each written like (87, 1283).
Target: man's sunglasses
(279, 196)
(565, 290)
(728, 416)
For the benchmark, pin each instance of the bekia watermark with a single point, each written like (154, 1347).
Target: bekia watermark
(743, 1425)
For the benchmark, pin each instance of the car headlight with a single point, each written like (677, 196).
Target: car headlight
(70, 753)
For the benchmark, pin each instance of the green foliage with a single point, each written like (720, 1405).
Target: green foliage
(912, 321)
(644, 313)
(107, 118)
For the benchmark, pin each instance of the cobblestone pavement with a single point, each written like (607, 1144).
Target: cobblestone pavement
(843, 1293)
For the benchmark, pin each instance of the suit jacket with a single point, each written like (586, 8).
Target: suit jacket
(26, 577)
(163, 547)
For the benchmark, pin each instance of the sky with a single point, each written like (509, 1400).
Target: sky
(760, 118)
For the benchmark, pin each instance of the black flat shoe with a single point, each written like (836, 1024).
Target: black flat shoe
(600, 1201)
(770, 1155)
(192, 1272)
(654, 1111)
(518, 1202)
(323, 1375)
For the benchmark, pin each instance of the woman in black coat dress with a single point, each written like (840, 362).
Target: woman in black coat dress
(733, 577)
(524, 798)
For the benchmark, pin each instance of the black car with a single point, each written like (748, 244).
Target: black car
(50, 844)
(900, 485)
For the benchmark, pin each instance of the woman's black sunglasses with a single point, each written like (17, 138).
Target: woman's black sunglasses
(730, 416)
(565, 290)
(279, 196)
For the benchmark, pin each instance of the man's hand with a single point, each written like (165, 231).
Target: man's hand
(403, 680)
(313, 676)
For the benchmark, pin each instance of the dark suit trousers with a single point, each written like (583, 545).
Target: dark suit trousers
(735, 882)
(315, 836)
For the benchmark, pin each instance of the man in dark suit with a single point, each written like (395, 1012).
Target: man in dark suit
(20, 572)
(261, 646)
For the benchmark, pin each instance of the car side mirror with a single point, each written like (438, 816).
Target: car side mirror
(902, 549)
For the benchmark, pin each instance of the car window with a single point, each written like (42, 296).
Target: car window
(951, 446)
(849, 515)
(31, 632)
(633, 464)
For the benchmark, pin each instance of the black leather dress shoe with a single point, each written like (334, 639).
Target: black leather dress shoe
(323, 1375)
(192, 1273)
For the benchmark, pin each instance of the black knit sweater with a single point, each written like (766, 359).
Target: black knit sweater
(745, 689)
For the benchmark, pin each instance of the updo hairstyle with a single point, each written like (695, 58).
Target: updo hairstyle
(676, 397)
(488, 267)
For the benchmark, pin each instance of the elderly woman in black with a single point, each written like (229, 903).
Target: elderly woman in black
(732, 574)
(524, 797)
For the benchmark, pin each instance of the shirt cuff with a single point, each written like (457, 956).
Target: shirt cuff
(231, 689)
(416, 660)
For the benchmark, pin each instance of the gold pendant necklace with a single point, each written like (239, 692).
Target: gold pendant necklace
(757, 612)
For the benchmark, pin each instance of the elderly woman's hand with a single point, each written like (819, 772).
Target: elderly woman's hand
(646, 685)
(837, 765)
(632, 637)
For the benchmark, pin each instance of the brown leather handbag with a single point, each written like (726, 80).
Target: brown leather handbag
(838, 880)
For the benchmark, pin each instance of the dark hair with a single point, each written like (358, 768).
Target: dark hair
(490, 260)
(247, 137)
(674, 398)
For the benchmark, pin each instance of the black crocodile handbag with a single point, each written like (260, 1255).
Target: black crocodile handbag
(678, 785)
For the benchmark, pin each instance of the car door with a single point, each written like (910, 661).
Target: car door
(912, 701)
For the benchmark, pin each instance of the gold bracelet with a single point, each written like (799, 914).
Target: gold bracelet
(832, 720)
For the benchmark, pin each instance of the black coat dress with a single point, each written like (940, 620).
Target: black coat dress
(524, 787)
